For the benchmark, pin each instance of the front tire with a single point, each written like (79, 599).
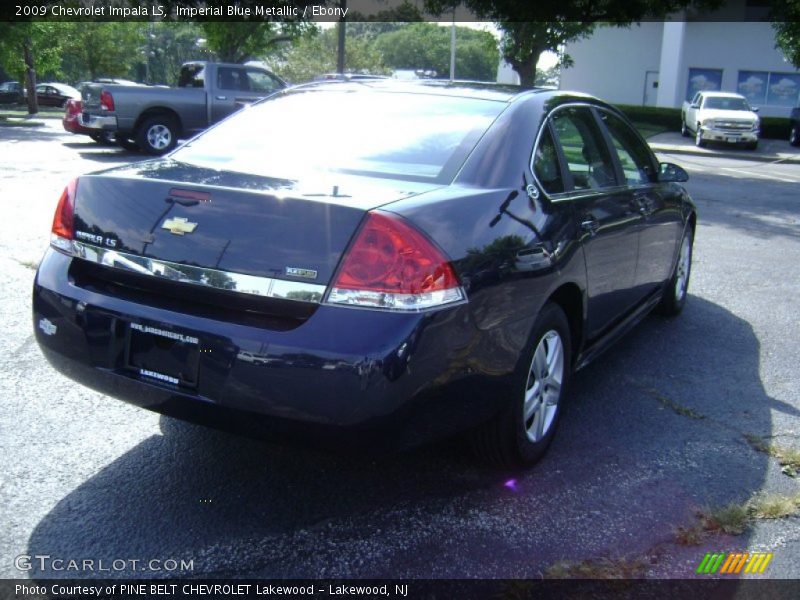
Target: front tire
(674, 297)
(698, 138)
(752, 145)
(794, 136)
(521, 433)
(157, 135)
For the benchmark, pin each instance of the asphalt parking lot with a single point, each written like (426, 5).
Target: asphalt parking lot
(655, 430)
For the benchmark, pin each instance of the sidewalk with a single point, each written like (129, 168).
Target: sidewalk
(768, 150)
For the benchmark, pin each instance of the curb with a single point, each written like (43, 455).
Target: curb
(723, 154)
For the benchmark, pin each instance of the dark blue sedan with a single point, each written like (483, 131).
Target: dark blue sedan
(369, 262)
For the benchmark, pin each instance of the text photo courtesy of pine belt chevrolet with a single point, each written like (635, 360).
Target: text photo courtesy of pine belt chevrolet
(720, 117)
(431, 258)
(153, 118)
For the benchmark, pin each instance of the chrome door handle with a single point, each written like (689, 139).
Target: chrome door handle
(221, 97)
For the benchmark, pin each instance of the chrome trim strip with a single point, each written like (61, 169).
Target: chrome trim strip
(266, 287)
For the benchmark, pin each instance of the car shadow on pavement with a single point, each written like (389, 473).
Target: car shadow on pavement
(654, 430)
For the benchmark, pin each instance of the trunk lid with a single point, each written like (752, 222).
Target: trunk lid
(229, 222)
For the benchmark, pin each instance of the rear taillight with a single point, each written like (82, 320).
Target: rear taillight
(106, 101)
(391, 265)
(63, 231)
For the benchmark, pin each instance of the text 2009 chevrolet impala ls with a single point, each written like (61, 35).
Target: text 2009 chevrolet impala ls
(383, 260)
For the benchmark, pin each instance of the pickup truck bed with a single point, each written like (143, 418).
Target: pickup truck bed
(154, 118)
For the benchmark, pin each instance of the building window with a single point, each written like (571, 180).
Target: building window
(769, 88)
(703, 80)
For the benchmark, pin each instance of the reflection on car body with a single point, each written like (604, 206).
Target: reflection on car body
(440, 257)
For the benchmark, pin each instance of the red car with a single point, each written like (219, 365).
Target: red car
(73, 123)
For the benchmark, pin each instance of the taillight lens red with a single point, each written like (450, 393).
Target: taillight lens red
(391, 265)
(106, 101)
(63, 230)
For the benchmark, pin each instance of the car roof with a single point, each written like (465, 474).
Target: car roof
(465, 89)
(722, 94)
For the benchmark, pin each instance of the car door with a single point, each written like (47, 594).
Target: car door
(657, 203)
(608, 223)
(238, 86)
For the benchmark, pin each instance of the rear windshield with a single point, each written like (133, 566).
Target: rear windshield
(416, 137)
(726, 103)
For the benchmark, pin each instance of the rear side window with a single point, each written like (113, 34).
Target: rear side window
(192, 76)
(633, 155)
(545, 164)
(229, 78)
(581, 141)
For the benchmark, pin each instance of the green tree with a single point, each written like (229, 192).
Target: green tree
(101, 49)
(530, 28)
(427, 46)
(247, 40)
(314, 53)
(787, 29)
(169, 45)
(28, 48)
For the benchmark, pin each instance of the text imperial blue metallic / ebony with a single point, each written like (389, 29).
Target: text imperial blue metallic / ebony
(408, 260)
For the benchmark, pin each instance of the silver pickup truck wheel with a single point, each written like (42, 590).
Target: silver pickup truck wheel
(157, 135)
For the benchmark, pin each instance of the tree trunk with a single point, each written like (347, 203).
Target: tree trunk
(526, 68)
(30, 76)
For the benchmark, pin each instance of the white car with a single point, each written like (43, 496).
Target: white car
(720, 117)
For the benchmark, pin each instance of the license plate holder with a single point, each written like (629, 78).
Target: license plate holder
(162, 355)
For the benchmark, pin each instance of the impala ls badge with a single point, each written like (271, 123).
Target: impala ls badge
(179, 225)
(298, 272)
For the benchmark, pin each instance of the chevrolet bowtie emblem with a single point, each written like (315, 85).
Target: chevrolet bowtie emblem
(179, 225)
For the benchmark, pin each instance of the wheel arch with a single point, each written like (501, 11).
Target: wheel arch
(570, 298)
(155, 111)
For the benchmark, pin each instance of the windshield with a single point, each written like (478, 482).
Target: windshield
(722, 103)
(418, 137)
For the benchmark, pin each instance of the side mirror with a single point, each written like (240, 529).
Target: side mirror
(694, 106)
(669, 172)
(754, 108)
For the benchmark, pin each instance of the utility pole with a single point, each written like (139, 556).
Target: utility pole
(342, 32)
(453, 47)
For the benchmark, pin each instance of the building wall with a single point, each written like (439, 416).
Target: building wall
(611, 64)
(734, 47)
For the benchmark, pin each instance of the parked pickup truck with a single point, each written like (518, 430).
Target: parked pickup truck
(794, 123)
(720, 117)
(153, 118)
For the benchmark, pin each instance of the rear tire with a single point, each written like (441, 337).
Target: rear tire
(794, 136)
(684, 129)
(521, 433)
(157, 135)
(674, 297)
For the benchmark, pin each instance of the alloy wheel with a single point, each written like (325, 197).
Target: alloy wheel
(159, 137)
(684, 265)
(543, 389)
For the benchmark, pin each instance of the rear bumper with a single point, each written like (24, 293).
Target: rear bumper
(400, 378)
(98, 122)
